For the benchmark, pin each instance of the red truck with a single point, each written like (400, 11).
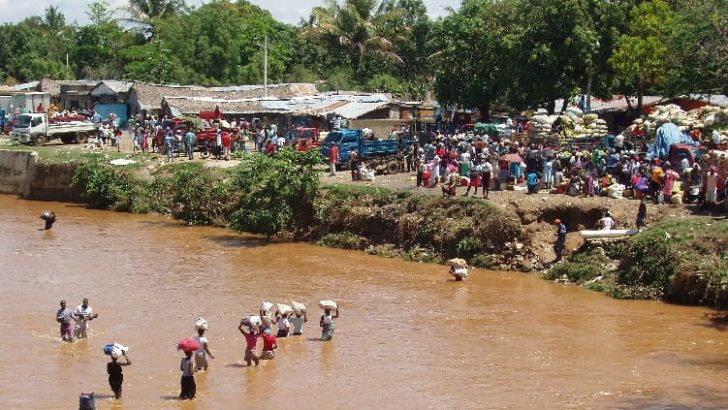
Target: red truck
(304, 139)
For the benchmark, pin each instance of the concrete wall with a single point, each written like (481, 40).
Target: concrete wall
(16, 171)
(21, 174)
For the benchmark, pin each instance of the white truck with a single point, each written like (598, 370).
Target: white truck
(36, 129)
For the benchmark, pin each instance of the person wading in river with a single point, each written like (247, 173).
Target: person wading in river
(188, 386)
(116, 375)
(327, 324)
(251, 342)
(83, 314)
(64, 317)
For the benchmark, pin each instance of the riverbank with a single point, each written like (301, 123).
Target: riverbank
(392, 218)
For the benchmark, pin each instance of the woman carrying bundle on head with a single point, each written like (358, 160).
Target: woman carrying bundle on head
(327, 319)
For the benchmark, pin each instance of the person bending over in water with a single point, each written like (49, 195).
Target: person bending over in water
(49, 217)
(327, 324)
(116, 376)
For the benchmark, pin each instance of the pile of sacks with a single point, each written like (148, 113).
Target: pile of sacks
(573, 124)
(707, 117)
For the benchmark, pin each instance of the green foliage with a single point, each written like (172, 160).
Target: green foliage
(198, 196)
(641, 59)
(105, 187)
(276, 193)
(469, 246)
(580, 267)
(420, 254)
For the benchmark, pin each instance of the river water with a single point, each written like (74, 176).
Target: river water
(408, 337)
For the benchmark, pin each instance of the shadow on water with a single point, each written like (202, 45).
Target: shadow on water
(717, 321)
(688, 398)
(234, 241)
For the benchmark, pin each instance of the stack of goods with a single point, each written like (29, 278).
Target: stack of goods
(593, 127)
(253, 321)
(707, 118)
(540, 125)
(115, 350)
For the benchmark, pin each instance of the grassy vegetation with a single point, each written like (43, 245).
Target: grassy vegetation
(679, 260)
(57, 154)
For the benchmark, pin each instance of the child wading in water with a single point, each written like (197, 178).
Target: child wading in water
(187, 383)
(116, 376)
(327, 324)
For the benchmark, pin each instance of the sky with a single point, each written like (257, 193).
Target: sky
(288, 11)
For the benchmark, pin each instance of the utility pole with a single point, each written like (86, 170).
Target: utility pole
(66, 66)
(265, 67)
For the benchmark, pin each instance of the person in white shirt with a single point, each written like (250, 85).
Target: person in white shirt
(607, 222)
(203, 351)
(83, 314)
(298, 322)
(283, 325)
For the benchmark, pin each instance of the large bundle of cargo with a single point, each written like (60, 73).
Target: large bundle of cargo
(571, 124)
(712, 121)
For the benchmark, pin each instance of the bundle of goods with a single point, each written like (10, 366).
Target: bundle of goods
(188, 344)
(201, 323)
(593, 127)
(328, 305)
(283, 309)
(298, 307)
(266, 307)
(251, 321)
(458, 268)
(115, 350)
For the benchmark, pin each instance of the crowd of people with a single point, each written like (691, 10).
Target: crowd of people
(287, 322)
(474, 161)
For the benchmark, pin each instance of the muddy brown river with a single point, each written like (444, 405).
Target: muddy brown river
(408, 337)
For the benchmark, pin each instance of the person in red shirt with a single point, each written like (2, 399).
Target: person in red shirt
(226, 144)
(270, 343)
(333, 159)
(251, 341)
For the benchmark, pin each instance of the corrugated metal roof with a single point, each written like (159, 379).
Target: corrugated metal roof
(354, 110)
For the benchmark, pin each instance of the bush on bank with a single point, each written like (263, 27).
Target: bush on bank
(282, 196)
(677, 260)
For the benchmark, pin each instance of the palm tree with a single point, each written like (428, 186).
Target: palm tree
(143, 13)
(54, 20)
(355, 25)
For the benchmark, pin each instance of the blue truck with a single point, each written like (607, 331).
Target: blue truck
(383, 156)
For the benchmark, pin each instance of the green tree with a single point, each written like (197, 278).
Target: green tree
(641, 59)
(357, 26)
(473, 59)
(143, 14)
(699, 49)
(276, 193)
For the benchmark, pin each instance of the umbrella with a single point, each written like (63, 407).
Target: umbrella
(188, 344)
(511, 158)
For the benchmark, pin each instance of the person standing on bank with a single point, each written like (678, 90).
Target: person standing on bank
(560, 240)
(642, 214)
(333, 159)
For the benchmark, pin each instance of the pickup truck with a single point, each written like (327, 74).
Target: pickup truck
(680, 151)
(36, 129)
(384, 156)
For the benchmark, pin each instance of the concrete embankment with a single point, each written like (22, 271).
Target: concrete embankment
(22, 174)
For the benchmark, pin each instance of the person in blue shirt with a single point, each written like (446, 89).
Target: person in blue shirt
(169, 143)
(190, 141)
(532, 182)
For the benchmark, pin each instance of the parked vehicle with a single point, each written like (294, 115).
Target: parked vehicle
(37, 129)
(384, 156)
(679, 151)
(304, 139)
